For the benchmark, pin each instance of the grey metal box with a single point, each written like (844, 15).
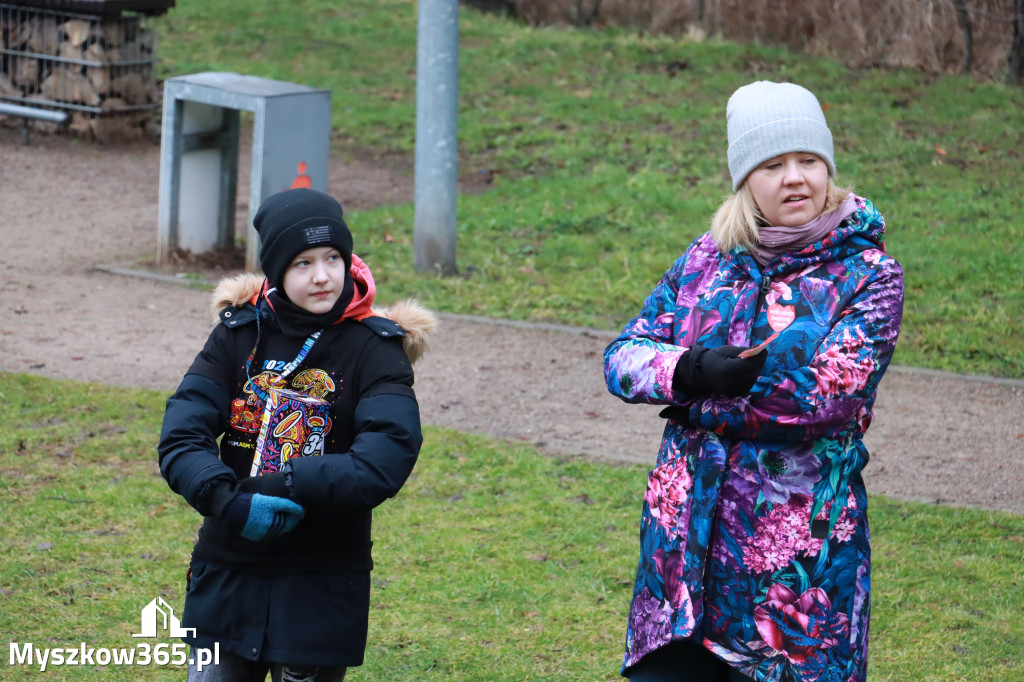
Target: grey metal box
(199, 154)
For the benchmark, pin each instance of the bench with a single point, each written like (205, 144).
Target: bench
(29, 113)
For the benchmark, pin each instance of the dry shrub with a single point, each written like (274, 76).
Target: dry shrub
(547, 12)
(925, 34)
(656, 16)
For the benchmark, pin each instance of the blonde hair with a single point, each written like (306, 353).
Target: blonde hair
(736, 221)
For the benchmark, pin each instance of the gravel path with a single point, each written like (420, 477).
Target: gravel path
(68, 209)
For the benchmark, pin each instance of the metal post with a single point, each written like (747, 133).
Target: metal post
(437, 94)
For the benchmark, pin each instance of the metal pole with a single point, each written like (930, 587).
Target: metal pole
(437, 94)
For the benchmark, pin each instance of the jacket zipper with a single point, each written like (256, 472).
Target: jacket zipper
(762, 296)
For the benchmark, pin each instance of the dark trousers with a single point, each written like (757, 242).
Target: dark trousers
(234, 668)
(683, 661)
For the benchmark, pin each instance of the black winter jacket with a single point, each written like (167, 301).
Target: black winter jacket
(371, 447)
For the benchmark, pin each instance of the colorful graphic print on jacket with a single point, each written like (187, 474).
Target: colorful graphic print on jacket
(754, 536)
(247, 410)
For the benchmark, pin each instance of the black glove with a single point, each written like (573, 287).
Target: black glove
(677, 413)
(275, 485)
(719, 371)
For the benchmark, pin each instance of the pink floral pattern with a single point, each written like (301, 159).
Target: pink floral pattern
(843, 366)
(667, 489)
(785, 533)
(800, 627)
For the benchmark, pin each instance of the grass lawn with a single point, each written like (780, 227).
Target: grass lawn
(605, 153)
(494, 563)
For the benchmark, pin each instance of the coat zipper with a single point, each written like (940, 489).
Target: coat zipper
(762, 296)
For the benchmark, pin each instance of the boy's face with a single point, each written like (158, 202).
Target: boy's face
(315, 279)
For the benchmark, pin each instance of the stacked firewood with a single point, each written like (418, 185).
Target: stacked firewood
(100, 70)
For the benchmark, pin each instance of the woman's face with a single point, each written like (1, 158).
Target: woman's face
(790, 189)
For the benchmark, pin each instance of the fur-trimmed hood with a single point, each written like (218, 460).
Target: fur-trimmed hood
(417, 322)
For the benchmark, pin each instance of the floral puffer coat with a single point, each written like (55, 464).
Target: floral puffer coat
(754, 536)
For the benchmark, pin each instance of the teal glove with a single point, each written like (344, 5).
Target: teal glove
(260, 517)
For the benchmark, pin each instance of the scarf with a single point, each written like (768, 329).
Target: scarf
(297, 321)
(774, 240)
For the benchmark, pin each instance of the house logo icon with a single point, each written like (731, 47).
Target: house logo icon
(160, 611)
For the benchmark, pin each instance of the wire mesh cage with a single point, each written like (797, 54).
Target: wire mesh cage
(99, 68)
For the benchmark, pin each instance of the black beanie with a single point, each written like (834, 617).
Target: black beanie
(295, 220)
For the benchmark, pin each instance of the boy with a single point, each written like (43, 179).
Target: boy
(310, 393)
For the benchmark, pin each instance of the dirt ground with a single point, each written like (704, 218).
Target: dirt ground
(67, 209)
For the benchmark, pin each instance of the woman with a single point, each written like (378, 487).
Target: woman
(767, 340)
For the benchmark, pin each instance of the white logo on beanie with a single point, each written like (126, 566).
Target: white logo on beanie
(318, 234)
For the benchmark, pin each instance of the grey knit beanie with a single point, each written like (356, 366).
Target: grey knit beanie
(767, 119)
